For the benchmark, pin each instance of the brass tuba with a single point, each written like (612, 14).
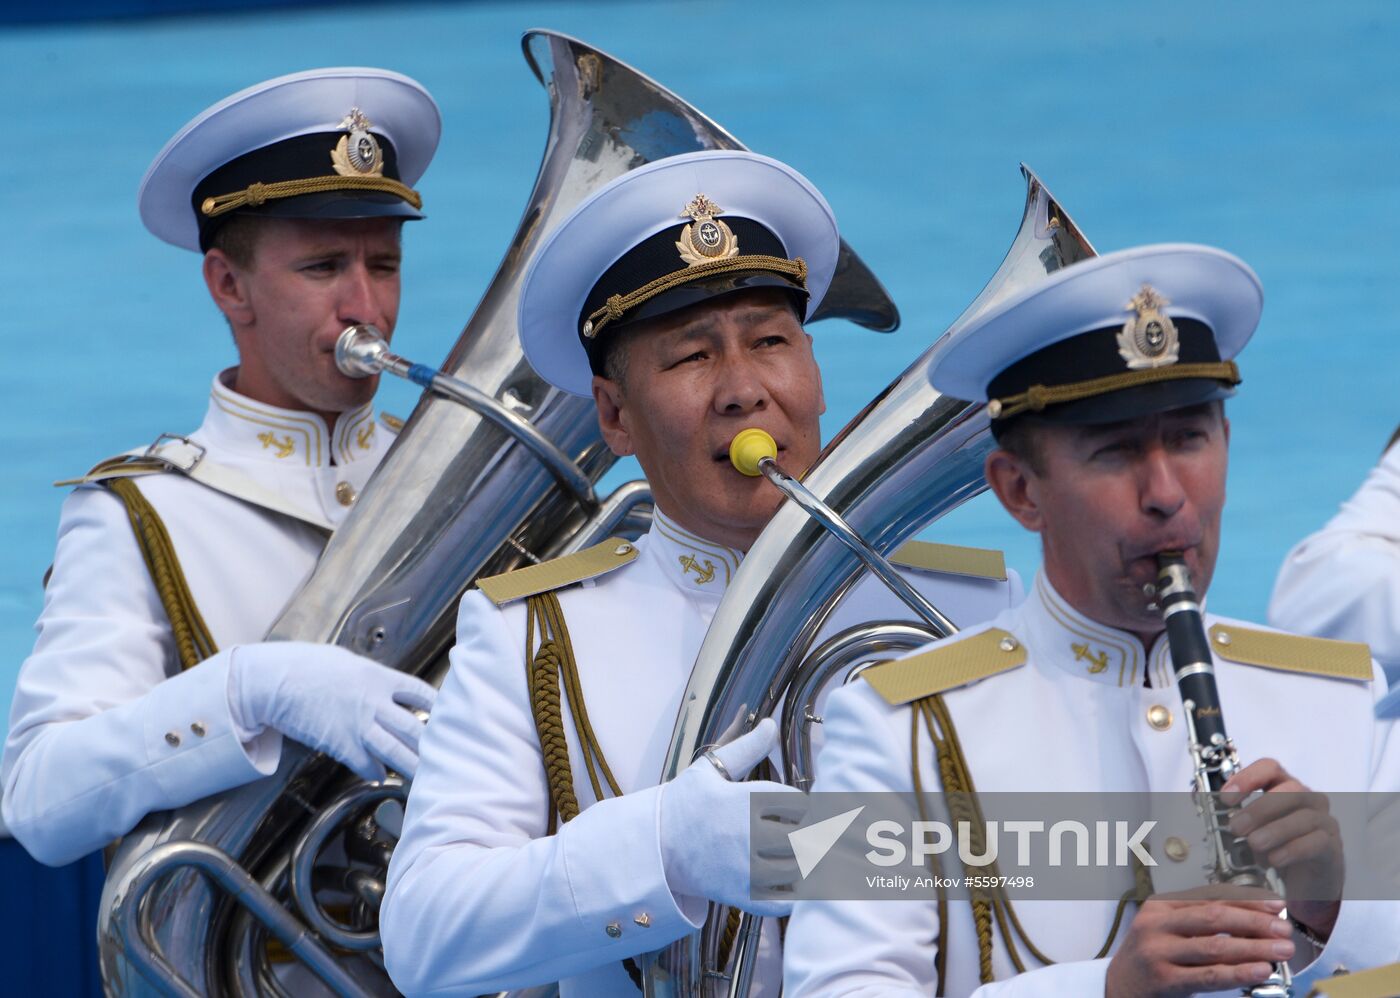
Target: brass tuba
(194, 897)
(909, 457)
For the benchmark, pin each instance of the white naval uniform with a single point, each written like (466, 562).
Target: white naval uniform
(1075, 717)
(104, 726)
(1344, 581)
(480, 898)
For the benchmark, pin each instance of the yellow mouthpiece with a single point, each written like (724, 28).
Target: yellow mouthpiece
(748, 448)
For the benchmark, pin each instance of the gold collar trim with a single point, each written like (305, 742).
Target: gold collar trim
(354, 435)
(287, 436)
(1092, 650)
(692, 561)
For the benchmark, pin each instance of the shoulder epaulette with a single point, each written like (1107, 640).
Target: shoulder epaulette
(951, 559)
(947, 665)
(1291, 652)
(546, 576)
(391, 422)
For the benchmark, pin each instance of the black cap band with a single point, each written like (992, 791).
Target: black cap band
(1086, 379)
(303, 161)
(762, 262)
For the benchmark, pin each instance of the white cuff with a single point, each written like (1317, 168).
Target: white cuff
(626, 894)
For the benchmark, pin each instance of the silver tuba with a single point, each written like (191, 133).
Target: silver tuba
(909, 457)
(194, 897)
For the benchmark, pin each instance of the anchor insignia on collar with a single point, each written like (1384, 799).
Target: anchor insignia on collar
(1097, 663)
(703, 574)
(284, 447)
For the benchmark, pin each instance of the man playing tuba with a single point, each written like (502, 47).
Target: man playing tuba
(149, 686)
(536, 844)
(1105, 385)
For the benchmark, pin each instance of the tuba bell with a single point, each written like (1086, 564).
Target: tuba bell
(912, 455)
(196, 899)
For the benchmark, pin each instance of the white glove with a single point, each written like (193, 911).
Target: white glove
(705, 843)
(347, 706)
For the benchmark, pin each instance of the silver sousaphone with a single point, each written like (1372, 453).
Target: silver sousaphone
(206, 899)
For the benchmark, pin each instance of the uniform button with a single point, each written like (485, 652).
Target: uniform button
(1176, 849)
(613, 929)
(198, 728)
(622, 549)
(344, 493)
(1007, 643)
(643, 920)
(1222, 638)
(1159, 717)
(171, 738)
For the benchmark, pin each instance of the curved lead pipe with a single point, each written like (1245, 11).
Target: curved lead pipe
(361, 351)
(753, 451)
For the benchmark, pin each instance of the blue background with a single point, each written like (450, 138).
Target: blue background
(1266, 128)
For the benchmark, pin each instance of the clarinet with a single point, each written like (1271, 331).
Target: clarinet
(1213, 756)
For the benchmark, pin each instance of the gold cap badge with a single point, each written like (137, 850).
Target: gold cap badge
(1149, 338)
(706, 238)
(357, 154)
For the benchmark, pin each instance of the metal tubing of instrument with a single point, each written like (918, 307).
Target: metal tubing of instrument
(308, 848)
(834, 656)
(871, 558)
(746, 942)
(361, 351)
(133, 918)
(612, 513)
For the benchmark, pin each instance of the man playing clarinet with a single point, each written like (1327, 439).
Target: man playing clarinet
(1106, 388)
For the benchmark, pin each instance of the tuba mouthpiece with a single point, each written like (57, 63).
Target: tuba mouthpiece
(748, 448)
(360, 351)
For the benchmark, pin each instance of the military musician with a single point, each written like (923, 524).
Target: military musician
(536, 844)
(149, 685)
(1106, 386)
(1343, 581)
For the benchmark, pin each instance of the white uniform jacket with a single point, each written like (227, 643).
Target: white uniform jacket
(480, 898)
(1344, 581)
(104, 727)
(1075, 717)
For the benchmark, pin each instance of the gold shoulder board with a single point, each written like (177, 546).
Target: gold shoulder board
(534, 579)
(979, 563)
(1292, 652)
(1379, 982)
(947, 665)
(391, 422)
(121, 466)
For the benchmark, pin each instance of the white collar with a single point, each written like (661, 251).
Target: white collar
(285, 436)
(691, 562)
(1061, 636)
